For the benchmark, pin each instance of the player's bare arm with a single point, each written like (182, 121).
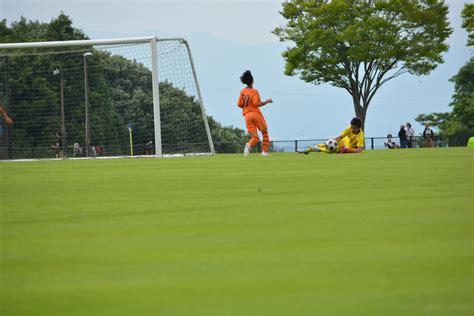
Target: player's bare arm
(349, 150)
(265, 102)
(7, 119)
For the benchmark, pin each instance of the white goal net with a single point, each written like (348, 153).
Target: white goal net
(101, 98)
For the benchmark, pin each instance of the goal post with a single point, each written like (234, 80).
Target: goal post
(147, 85)
(156, 97)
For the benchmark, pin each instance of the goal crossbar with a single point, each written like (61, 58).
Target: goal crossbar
(130, 40)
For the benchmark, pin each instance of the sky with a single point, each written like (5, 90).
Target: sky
(228, 37)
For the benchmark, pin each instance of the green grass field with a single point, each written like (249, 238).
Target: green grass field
(381, 233)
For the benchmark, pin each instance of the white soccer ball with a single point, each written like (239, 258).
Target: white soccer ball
(331, 145)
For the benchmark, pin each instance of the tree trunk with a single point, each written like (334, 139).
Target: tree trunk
(359, 110)
(362, 116)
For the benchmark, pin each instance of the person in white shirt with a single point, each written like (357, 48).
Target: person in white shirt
(411, 141)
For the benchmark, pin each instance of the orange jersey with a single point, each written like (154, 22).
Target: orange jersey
(249, 101)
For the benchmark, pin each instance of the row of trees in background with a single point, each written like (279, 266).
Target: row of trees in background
(121, 87)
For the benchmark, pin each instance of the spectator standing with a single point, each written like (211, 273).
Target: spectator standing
(77, 150)
(428, 136)
(57, 147)
(411, 140)
(149, 148)
(402, 134)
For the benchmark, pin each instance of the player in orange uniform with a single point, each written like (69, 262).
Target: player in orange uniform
(249, 101)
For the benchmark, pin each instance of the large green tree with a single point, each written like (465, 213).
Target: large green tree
(359, 45)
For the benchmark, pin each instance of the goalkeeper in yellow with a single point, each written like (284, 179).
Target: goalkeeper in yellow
(351, 140)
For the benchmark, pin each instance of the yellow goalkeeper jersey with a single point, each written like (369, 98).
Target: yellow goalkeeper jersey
(349, 139)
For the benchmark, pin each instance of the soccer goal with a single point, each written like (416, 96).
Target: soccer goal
(93, 98)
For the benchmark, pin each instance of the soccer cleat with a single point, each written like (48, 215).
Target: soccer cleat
(304, 151)
(246, 150)
(265, 154)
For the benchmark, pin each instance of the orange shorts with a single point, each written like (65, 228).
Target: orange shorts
(254, 121)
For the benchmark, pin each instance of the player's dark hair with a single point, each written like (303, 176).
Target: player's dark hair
(356, 122)
(247, 78)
